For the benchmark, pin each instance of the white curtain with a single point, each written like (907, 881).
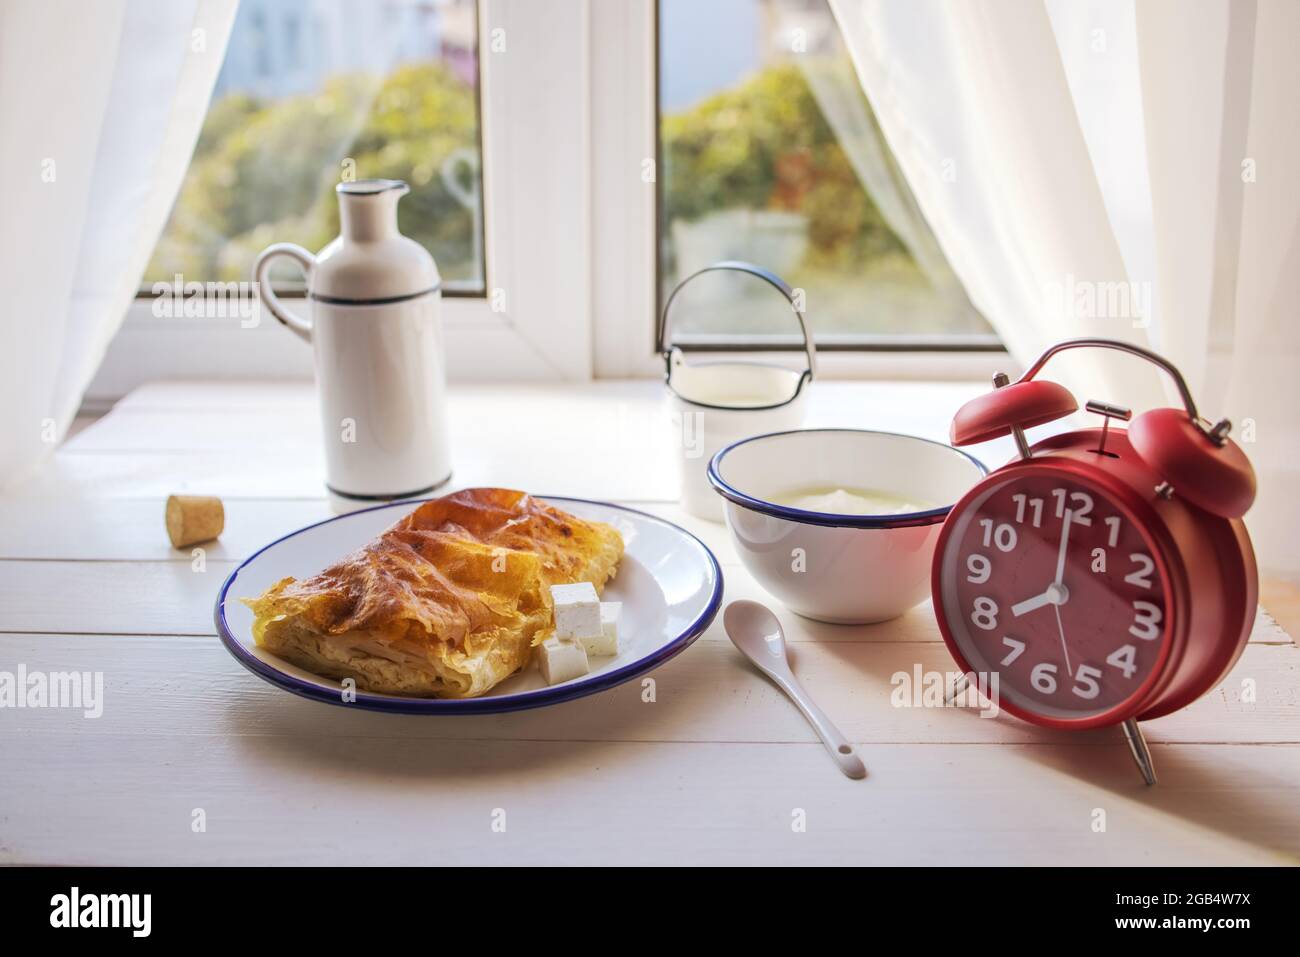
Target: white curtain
(1121, 169)
(839, 97)
(103, 103)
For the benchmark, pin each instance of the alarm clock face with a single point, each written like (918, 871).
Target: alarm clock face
(1048, 583)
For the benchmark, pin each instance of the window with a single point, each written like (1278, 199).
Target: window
(769, 152)
(509, 222)
(367, 90)
(529, 133)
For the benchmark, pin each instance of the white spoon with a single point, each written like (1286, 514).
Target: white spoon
(755, 631)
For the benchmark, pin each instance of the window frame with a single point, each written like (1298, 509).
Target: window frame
(570, 231)
(935, 356)
(536, 227)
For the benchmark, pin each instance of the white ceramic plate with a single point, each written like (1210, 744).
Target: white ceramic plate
(668, 581)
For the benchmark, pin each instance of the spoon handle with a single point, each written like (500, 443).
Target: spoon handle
(837, 745)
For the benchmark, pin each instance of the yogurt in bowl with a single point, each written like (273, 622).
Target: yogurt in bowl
(850, 501)
(840, 524)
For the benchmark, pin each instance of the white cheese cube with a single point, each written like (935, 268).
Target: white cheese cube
(561, 660)
(577, 610)
(606, 643)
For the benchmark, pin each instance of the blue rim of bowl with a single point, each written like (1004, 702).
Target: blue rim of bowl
(932, 516)
(520, 701)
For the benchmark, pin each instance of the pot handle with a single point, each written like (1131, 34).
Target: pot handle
(266, 293)
(664, 341)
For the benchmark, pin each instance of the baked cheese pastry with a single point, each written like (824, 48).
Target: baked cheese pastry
(448, 602)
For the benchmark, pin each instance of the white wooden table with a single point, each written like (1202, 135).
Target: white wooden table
(719, 769)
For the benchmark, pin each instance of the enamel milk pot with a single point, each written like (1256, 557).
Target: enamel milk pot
(375, 325)
(713, 404)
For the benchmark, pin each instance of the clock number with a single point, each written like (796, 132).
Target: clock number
(1080, 505)
(1003, 536)
(1146, 620)
(985, 615)
(1017, 649)
(1085, 682)
(1141, 577)
(1043, 677)
(979, 567)
(1035, 504)
(1112, 528)
(1124, 659)
(1059, 494)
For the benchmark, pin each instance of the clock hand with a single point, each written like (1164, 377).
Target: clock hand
(1033, 604)
(1065, 542)
(1053, 595)
(1064, 650)
(1058, 585)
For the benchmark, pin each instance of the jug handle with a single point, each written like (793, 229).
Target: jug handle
(266, 293)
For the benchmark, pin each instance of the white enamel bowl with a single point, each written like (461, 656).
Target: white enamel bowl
(845, 569)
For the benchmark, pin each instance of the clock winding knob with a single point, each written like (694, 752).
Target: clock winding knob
(1107, 411)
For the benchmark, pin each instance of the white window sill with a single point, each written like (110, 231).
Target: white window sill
(609, 440)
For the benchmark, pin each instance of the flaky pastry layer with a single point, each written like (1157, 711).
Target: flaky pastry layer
(448, 602)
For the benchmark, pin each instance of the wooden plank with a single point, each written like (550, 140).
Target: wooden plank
(279, 473)
(190, 685)
(90, 476)
(177, 596)
(145, 597)
(110, 597)
(604, 440)
(920, 408)
(272, 798)
(185, 396)
(294, 427)
(518, 417)
(77, 479)
(132, 529)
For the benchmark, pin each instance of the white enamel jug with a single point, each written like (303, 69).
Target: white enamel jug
(375, 299)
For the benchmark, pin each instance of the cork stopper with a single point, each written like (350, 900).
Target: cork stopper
(194, 518)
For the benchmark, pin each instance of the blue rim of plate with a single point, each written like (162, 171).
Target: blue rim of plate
(521, 701)
(930, 516)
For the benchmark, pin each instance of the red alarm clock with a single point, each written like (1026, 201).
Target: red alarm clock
(1104, 576)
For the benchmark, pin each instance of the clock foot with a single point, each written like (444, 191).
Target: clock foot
(958, 687)
(1137, 744)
